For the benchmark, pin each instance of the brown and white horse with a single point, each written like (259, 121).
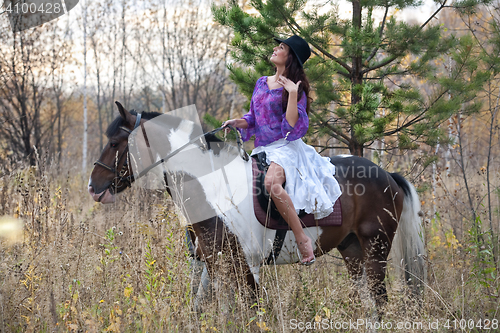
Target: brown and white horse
(375, 204)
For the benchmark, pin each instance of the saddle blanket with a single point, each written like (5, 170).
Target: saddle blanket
(334, 219)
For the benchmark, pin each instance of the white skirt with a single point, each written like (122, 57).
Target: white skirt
(310, 180)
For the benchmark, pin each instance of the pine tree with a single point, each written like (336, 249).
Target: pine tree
(367, 79)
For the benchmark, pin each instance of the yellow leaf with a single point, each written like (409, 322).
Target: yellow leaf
(262, 325)
(317, 318)
(114, 327)
(203, 326)
(128, 291)
(327, 312)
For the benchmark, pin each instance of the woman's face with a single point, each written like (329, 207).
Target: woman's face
(280, 54)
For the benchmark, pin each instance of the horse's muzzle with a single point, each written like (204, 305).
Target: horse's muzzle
(104, 197)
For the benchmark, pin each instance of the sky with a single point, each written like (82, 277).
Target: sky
(420, 13)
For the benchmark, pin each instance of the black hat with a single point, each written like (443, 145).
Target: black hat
(299, 46)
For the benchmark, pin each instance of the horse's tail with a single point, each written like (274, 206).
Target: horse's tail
(408, 244)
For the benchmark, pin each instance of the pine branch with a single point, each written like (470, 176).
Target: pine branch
(421, 115)
(443, 5)
(291, 22)
(418, 118)
(323, 148)
(381, 64)
(335, 133)
(381, 31)
(410, 40)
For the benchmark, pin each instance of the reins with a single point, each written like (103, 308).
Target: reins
(243, 153)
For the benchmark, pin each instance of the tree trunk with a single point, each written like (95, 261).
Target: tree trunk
(98, 78)
(84, 147)
(124, 55)
(355, 147)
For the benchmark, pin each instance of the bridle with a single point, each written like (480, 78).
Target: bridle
(121, 176)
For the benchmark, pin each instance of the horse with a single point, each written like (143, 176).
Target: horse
(375, 204)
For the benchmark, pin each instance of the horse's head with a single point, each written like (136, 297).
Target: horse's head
(173, 144)
(112, 173)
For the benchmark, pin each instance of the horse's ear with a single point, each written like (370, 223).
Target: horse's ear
(124, 113)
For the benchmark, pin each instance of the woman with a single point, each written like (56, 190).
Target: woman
(278, 118)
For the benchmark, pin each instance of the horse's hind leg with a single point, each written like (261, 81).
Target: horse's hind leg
(351, 251)
(362, 269)
(376, 253)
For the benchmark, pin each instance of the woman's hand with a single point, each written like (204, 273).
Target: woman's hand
(288, 84)
(230, 122)
(237, 123)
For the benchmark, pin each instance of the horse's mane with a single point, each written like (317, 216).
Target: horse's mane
(114, 127)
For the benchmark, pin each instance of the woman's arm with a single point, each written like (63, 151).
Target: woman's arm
(295, 121)
(292, 112)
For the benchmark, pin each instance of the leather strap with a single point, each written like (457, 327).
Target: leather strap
(279, 239)
(243, 154)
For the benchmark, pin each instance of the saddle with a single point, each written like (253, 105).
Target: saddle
(265, 209)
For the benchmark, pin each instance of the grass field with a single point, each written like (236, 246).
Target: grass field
(78, 266)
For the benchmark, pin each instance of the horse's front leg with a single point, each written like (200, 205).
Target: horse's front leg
(227, 270)
(203, 285)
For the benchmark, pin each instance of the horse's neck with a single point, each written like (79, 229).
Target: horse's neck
(181, 135)
(217, 180)
(221, 181)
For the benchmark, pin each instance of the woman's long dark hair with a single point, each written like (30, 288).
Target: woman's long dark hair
(294, 72)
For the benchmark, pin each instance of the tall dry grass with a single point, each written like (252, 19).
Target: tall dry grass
(84, 267)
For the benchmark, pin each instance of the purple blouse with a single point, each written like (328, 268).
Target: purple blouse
(266, 119)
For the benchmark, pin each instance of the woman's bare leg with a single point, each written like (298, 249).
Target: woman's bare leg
(275, 178)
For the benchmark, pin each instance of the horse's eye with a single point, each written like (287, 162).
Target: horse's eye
(113, 144)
